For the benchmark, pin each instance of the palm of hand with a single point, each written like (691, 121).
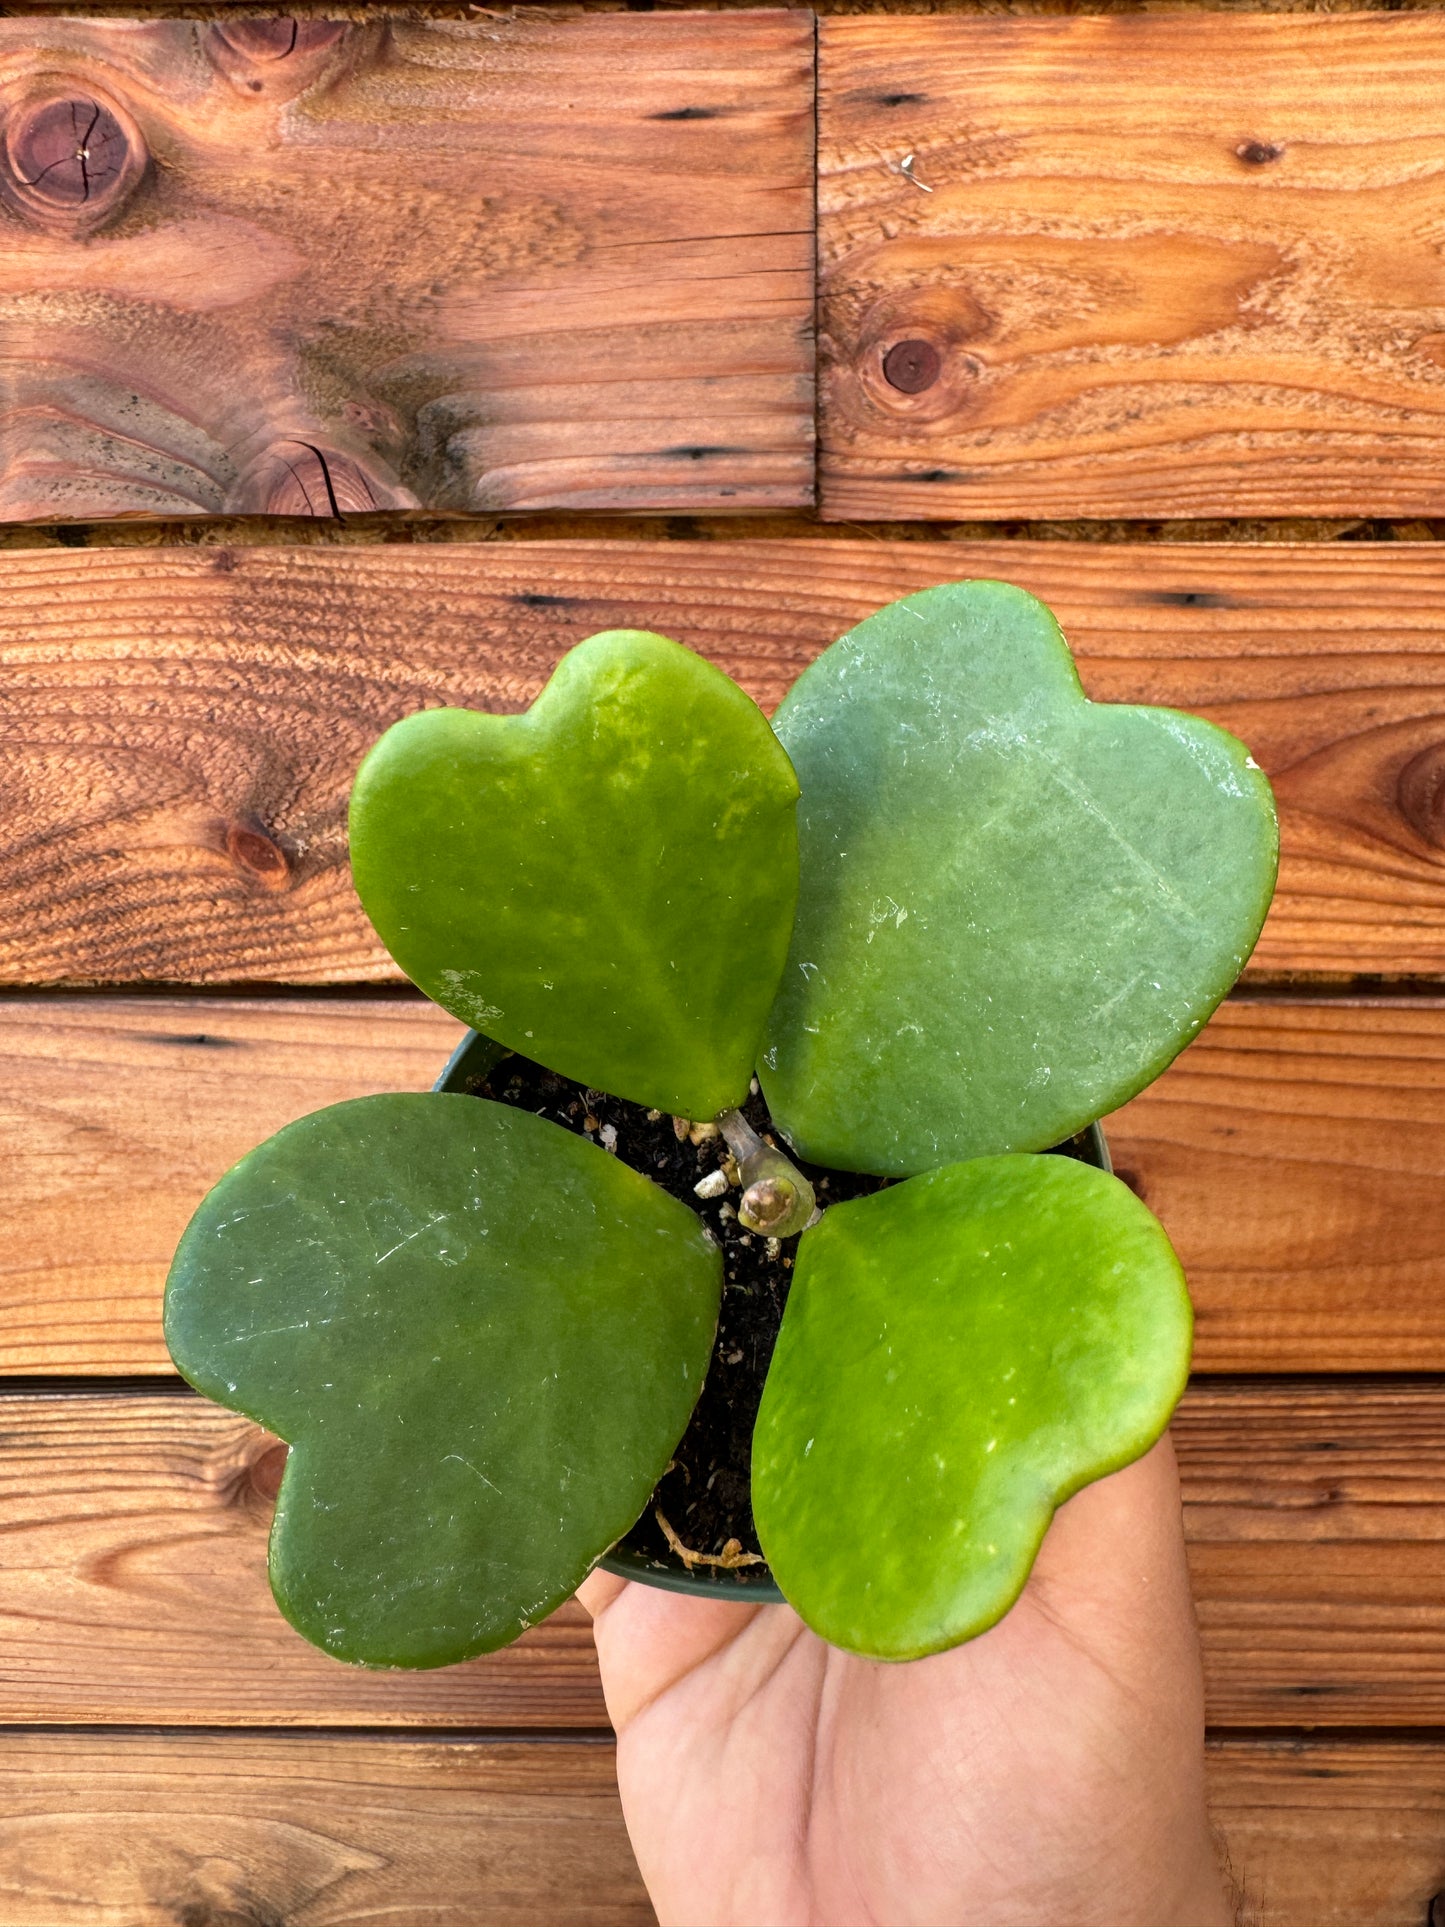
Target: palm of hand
(1048, 1772)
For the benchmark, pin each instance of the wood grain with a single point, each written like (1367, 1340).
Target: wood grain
(511, 262)
(305, 1831)
(212, 1830)
(1329, 1835)
(1315, 1514)
(180, 727)
(1297, 1156)
(134, 1589)
(119, 1114)
(1172, 265)
(1295, 1153)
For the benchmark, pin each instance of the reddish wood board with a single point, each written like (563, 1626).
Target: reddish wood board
(315, 1830)
(180, 727)
(1295, 1153)
(1174, 264)
(514, 261)
(134, 1590)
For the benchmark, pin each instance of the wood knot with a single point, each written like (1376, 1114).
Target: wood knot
(1257, 153)
(917, 355)
(276, 58)
(71, 159)
(912, 366)
(263, 1472)
(303, 478)
(1420, 794)
(258, 856)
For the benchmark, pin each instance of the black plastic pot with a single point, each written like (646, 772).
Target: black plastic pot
(467, 1066)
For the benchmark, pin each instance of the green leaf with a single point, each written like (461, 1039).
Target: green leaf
(1017, 906)
(958, 1355)
(482, 1337)
(605, 883)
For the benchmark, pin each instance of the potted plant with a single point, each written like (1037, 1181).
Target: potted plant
(780, 1020)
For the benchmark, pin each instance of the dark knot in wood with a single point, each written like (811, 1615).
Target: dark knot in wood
(307, 480)
(1420, 794)
(263, 1473)
(1258, 153)
(276, 58)
(259, 856)
(278, 39)
(912, 366)
(71, 159)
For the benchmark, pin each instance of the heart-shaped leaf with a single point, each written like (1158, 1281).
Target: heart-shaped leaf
(482, 1337)
(1017, 905)
(605, 883)
(958, 1354)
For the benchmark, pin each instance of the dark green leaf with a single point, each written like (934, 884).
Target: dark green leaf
(958, 1355)
(1017, 906)
(482, 1337)
(605, 883)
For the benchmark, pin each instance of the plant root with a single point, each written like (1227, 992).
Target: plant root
(728, 1560)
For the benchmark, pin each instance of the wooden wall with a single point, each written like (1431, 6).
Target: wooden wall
(284, 391)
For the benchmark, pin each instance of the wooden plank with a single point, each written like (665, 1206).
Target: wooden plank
(508, 262)
(314, 1832)
(118, 1116)
(1294, 1152)
(150, 1830)
(180, 727)
(134, 1587)
(1315, 1515)
(137, 1591)
(1323, 1834)
(1169, 265)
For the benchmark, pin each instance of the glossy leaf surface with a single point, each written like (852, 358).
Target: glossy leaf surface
(482, 1337)
(959, 1354)
(605, 883)
(1016, 907)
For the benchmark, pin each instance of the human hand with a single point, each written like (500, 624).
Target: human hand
(1050, 1773)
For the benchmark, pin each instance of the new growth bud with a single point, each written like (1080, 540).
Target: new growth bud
(777, 1199)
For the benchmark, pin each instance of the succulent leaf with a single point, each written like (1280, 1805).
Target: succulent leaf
(958, 1355)
(482, 1337)
(605, 883)
(1017, 906)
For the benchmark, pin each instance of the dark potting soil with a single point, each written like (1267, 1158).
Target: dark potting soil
(700, 1518)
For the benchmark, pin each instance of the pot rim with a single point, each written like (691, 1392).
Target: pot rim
(473, 1057)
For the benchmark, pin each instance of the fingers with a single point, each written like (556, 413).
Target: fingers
(1113, 1567)
(599, 1590)
(1127, 1528)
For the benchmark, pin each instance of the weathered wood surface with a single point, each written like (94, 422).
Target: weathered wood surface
(1330, 1835)
(1295, 1152)
(1178, 265)
(305, 1830)
(118, 1114)
(508, 262)
(180, 728)
(1315, 1514)
(229, 1830)
(134, 1590)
